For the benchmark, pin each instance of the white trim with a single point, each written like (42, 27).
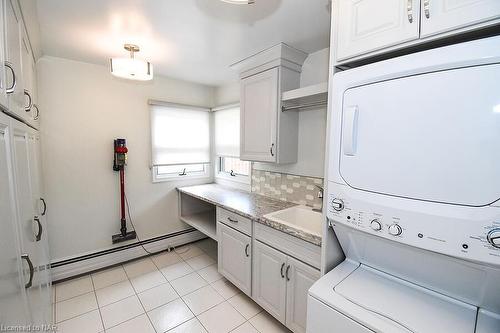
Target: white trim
(89, 265)
(225, 107)
(175, 177)
(224, 175)
(176, 105)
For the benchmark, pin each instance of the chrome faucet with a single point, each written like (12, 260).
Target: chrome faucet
(320, 196)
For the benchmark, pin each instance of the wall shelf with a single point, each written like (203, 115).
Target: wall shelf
(305, 97)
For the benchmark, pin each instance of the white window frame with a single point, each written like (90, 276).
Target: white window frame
(158, 178)
(226, 176)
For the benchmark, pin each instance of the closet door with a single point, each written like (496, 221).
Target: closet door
(13, 305)
(30, 225)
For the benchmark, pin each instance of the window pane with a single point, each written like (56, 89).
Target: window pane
(239, 167)
(176, 169)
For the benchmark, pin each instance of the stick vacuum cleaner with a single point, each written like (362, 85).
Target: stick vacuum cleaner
(119, 162)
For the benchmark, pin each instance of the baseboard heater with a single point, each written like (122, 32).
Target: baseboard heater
(64, 269)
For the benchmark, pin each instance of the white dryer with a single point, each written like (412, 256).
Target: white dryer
(414, 195)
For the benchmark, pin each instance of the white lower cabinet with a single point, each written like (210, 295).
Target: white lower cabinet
(281, 284)
(235, 257)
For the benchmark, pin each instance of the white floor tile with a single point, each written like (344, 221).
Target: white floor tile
(210, 273)
(188, 251)
(221, 319)
(139, 324)
(176, 271)
(72, 288)
(200, 261)
(245, 305)
(225, 288)
(170, 315)
(245, 328)
(139, 267)
(165, 259)
(114, 293)
(207, 245)
(202, 299)
(147, 281)
(157, 296)
(121, 311)
(265, 323)
(75, 306)
(191, 326)
(86, 323)
(108, 277)
(188, 283)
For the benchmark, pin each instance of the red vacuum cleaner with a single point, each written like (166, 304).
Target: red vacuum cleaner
(119, 162)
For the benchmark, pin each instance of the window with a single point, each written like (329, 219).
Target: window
(227, 145)
(180, 137)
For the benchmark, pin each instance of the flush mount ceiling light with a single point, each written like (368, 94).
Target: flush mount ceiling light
(240, 2)
(131, 68)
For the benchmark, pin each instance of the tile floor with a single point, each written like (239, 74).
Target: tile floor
(171, 292)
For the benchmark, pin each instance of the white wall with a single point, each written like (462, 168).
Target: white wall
(83, 109)
(312, 122)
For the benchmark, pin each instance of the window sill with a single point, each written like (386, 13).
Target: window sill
(236, 179)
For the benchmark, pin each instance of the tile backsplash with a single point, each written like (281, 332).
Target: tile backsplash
(298, 189)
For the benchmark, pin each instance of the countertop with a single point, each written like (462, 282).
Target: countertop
(251, 205)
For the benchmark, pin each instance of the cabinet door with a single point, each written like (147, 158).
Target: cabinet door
(28, 78)
(234, 257)
(365, 25)
(443, 15)
(13, 305)
(300, 277)
(3, 83)
(259, 112)
(14, 76)
(269, 283)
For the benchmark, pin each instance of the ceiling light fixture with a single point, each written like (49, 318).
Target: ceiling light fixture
(131, 68)
(240, 2)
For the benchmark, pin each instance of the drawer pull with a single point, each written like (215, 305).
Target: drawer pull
(246, 250)
(287, 270)
(32, 270)
(231, 220)
(409, 10)
(427, 10)
(282, 274)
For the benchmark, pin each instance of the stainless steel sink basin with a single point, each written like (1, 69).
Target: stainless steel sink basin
(300, 217)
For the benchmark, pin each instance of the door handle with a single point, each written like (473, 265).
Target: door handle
(287, 270)
(27, 108)
(231, 220)
(37, 112)
(44, 206)
(38, 236)
(246, 250)
(409, 10)
(350, 131)
(271, 150)
(32, 270)
(282, 274)
(427, 9)
(12, 88)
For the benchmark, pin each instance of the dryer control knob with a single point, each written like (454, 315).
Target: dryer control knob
(337, 204)
(376, 225)
(494, 237)
(395, 229)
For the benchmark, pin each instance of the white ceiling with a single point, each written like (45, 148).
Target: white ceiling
(194, 40)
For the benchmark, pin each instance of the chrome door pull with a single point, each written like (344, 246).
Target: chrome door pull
(427, 10)
(44, 206)
(282, 274)
(272, 149)
(409, 10)
(27, 108)
(12, 88)
(32, 270)
(287, 270)
(231, 220)
(38, 236)
(246, 250)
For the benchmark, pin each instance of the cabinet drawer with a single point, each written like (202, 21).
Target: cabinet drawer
(235, 221)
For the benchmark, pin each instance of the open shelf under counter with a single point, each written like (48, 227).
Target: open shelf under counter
(199, 214)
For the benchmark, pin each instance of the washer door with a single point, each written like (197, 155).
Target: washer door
(433, 137)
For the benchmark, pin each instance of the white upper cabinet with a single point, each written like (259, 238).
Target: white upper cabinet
(367, 25)
(440, 16)
(3, 83)
(13, 73)
(259, 108)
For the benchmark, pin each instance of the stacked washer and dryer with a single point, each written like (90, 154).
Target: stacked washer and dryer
(414, 195)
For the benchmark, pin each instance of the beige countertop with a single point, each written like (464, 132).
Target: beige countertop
(251, 205)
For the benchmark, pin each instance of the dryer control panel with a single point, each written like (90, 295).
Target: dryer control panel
(471, 233)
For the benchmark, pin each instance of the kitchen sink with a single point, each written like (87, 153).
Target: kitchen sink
(301, 217)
